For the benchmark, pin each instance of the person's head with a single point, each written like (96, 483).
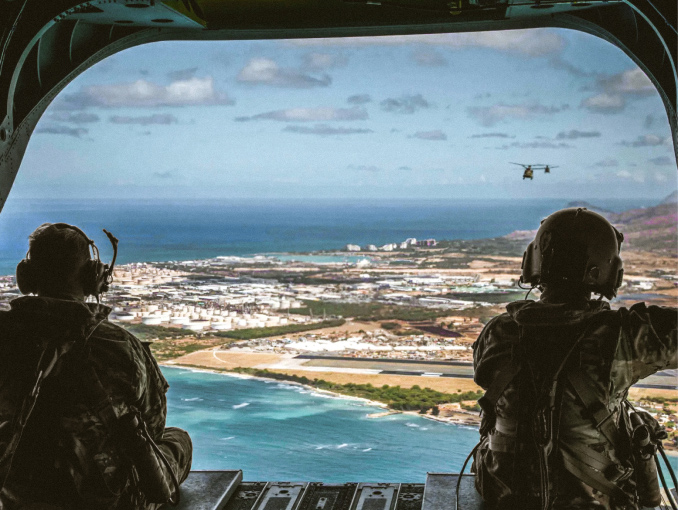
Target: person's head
(575, 253)
(59, 264)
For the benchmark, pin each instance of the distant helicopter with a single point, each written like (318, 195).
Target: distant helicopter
(529, 169)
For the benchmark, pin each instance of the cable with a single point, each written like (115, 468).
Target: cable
(662, 16)
(663, 480)
(456, 490)
(10, 34)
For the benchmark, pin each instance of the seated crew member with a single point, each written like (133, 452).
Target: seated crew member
(556, 431)
(82, 401)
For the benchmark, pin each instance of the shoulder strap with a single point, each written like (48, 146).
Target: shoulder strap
(603, 420)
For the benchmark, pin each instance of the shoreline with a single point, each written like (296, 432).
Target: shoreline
(374, 403)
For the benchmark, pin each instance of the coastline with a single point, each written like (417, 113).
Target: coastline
(374, 403)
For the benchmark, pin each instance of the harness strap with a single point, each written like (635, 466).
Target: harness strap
(506, 426)
(582, 466)
(500, 443)
(582, 385)
(52, 353)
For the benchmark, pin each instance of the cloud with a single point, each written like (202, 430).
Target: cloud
(325, 130)
(530, 42)
(662, 161)
(321, 61)
(436, 135)
(142, 93)
(607, 163)
(359, 99)
(541, 144)
(74, 118)
(405, 168)
(405, 104)
(182, 74)
(646, 141)
(364, 168)
(164, 175)
(616, 90)
(574, 134)
(264, 71)
(492, 135)
(62, 130)
(428, 58)
(158, 118)
(490, 115)
(320, 114)
(649, 121)
(605, 103)
(557, 62)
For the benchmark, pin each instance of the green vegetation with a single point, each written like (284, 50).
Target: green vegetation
(147, 333)
(250, 333)
(388, 326)
(370, 311)
(168, 349)
(402, 399)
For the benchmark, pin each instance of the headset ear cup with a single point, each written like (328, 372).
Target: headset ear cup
(25, 277)
(89, 275)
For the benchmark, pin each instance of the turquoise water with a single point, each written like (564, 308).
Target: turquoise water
(285, 432)
(275, 431)
(319, 259)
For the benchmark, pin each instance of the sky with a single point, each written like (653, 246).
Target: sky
(401, 117)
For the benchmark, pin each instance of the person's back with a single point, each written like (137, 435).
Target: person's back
(65, 445)
(555, 431)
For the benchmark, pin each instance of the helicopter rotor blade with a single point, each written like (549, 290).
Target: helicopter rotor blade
(519, 164)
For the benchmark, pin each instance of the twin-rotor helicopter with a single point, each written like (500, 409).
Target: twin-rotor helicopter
(528, 172)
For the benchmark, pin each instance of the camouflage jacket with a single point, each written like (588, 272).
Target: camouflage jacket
(63, 423)
(614, 349)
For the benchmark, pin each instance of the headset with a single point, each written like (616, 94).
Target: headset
(96, 276)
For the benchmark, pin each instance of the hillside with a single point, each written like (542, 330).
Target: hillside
(650, 229)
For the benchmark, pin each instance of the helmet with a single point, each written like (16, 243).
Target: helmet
(575, 246)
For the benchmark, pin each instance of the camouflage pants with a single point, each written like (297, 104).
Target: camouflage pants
(176, 445)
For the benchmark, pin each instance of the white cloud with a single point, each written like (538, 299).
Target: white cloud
(605, 103)
(158, 118)
(435, 135)
(490, 115)
(319, 61)
(320, 114)
(650, 140)
(405, 104)
(325, 130)
(533, 42)
(264, 71)
(142, 93)
(617, 89)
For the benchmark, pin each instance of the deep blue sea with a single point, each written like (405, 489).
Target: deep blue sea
(161, 230)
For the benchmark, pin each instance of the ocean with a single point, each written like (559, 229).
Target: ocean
(278, 431)
(162, 230)
(284, 432)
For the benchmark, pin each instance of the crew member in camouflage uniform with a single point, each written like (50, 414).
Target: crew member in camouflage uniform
(555, 432)
(69, 456)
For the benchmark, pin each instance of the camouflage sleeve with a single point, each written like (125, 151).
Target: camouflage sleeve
(492, 349)
(651, 337)
(131, 375)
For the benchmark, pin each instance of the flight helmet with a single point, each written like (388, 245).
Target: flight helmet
(575, 247)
